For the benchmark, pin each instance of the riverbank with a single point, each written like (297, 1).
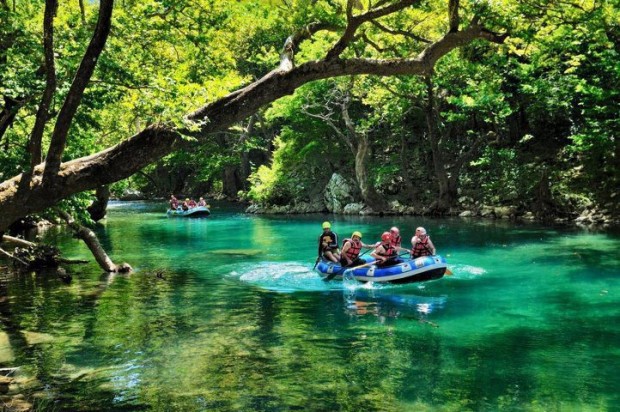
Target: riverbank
(593, 217)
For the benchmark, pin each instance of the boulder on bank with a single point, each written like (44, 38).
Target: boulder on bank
(132, 194)
(353, 208)
(315, 206)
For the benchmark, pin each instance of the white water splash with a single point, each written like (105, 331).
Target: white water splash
(467, 271)
(283, 277)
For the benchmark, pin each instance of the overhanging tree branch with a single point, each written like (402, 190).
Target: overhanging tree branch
(403, 33)
(354, 22)
(22, 194)
(453, 15)
(291, 45)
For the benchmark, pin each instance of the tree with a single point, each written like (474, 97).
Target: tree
(47, 183)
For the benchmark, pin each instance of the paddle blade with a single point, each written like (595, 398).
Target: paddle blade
(363, 266)
(448, 272)
(329, 277)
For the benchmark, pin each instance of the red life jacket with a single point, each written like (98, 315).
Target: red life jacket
(396, 242)
(354, 250)
(421, 248)
(390, 251)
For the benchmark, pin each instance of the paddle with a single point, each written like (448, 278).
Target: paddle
(364, 265)
(317, 262)
(367, 250)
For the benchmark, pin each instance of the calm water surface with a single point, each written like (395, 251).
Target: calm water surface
(226, 314)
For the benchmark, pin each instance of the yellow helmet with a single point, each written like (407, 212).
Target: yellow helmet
(326, 225)
(358, 234)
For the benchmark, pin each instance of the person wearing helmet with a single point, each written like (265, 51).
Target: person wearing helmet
(349, 256)
(174, 202)
(386, 254)
(328, 244)
(421, 244)
(396, 240)
(202, 202)
(185, 204)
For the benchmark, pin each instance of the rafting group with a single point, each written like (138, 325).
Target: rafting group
(385, 252)
(188, 208)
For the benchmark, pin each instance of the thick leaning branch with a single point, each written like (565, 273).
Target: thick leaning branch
(25, 194)
(291, 45)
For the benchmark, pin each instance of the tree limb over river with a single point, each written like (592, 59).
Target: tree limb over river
(49, 182)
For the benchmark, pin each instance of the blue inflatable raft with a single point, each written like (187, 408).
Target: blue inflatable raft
(411, 270)
(198, 211)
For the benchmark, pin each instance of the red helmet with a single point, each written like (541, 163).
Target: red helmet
(385, 237)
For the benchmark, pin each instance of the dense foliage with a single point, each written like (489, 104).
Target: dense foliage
(530, 124)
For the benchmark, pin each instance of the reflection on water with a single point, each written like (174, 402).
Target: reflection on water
(226, 314)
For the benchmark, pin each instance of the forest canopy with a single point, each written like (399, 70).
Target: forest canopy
(439, 105)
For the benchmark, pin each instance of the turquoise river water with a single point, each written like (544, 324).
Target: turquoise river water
(225, 314)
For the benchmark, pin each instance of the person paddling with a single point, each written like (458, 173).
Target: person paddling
(395, 239)
(421, 244)
(385, 253)
(202, 202)
(328, 244)
(349, 255)
(174, 202)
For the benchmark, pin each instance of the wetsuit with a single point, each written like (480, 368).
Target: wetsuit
(331, 239)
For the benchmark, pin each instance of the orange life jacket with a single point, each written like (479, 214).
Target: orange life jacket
(354, 250)
(421, 248)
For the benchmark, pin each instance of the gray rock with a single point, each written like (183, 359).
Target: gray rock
(353, 208)
(337, 193)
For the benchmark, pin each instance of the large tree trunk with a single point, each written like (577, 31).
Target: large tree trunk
(76, 91)
(231, 183)
(31, 192)
(97, 209)
(7, 116)
(50, 84)
(368, 192)
(245, 168)
(447, 185)
(359, 144)
(447, 175)
(410, 188)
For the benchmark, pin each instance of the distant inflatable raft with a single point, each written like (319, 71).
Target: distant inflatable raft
(198, 211)
(411, 270)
